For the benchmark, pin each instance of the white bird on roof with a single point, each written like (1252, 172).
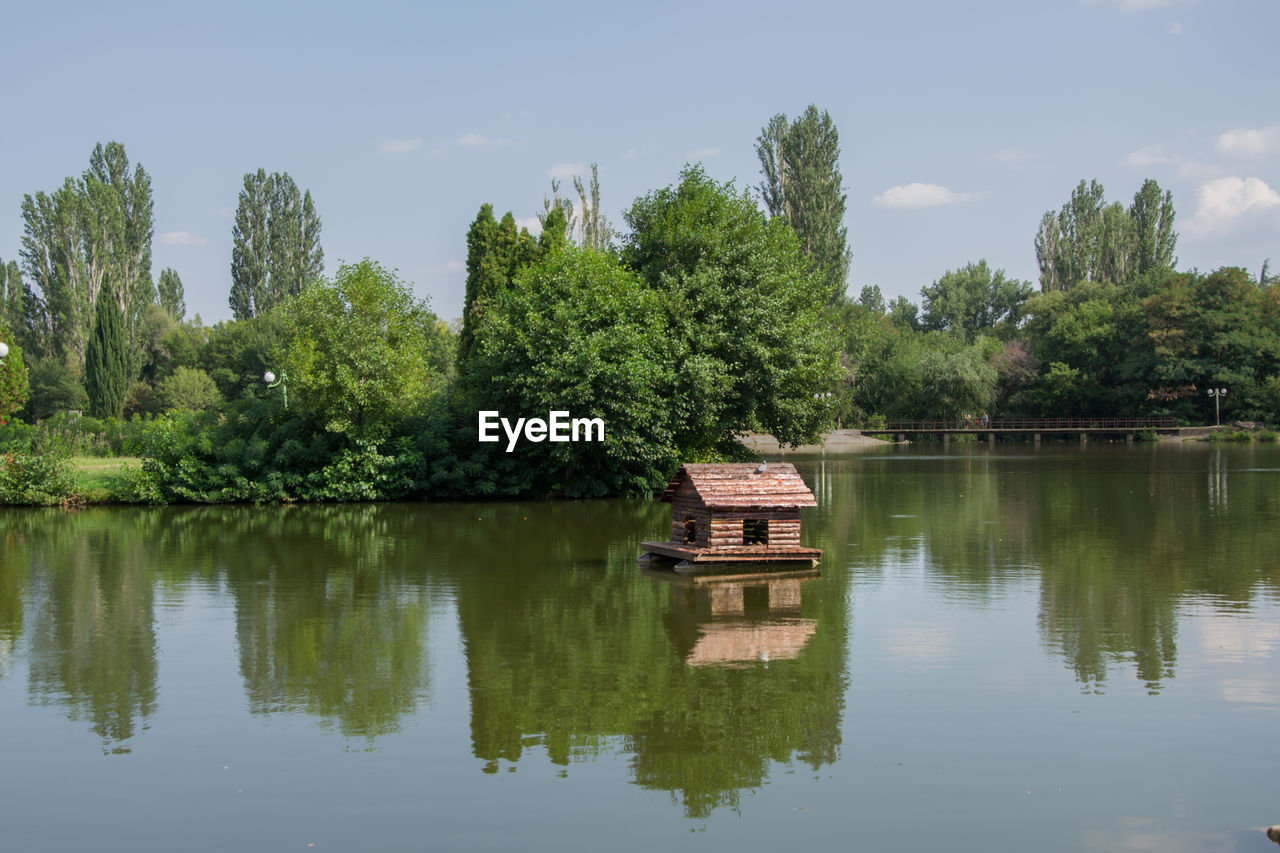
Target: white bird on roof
(762, 467)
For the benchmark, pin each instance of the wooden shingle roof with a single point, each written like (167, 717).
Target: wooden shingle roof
(736, 485)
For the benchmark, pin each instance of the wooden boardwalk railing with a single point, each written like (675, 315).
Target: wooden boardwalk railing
(1031, 425)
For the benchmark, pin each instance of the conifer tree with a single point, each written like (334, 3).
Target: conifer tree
(105, 359)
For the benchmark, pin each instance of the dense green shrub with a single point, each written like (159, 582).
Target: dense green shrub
(256, 451)
(34, 470)
(188, 389)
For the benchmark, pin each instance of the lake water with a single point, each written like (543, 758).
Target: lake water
(1009, 649)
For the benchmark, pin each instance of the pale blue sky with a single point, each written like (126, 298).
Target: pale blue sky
(960, 123)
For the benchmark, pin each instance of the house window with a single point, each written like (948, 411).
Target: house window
(755, 531)
(690, 529)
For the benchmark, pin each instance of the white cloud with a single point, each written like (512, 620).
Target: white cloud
(706, 152)
(630, 154)
(1223, 201)
(180, 238)
(566, 171)
(531, 222)
(479, 140)
(1152, 155)
(917, 195)
(1243, 142)
(447, 267)
(400, 146)
(1175, 29)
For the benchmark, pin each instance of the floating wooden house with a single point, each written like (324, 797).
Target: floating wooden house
(737, 513)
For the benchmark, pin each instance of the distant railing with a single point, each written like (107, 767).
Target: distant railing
(1026, 425)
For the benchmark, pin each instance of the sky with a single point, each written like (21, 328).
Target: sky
(960, 123)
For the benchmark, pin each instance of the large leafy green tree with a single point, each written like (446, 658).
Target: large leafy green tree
(1216, 330)
(800, 161)
(86, 232)
(578, 332)
(275, 249)
(746, 313)
(974, 299)
(358, 353)
(105, 362)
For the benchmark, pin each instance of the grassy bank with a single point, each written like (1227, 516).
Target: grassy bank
(92, 476)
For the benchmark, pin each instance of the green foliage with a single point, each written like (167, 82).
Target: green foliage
(751, 338)
(54, 388)
(105, 361)
(1266, 435)
(928, 375)
(188, 389)
(1090, 240)
(1230, 436)
(595, 231)
(802, 184)
(14, 386)
(580, 333)
(34, 469)
(87, 232)
(276, 249)
(170, 295)
(358, 353)
(256, 451)
(973, 300)
(495, 253)
(239, 352)
(1216, 330)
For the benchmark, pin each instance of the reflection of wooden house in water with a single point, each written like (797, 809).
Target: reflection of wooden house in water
(735, 513)
(716, 622)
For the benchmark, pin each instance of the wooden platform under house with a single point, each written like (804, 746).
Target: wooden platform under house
(735, 514)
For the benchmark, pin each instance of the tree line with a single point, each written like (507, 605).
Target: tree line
(92, 331)
(716, 310)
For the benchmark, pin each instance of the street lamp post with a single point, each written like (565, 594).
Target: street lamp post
(1217, 394)
(283, 382)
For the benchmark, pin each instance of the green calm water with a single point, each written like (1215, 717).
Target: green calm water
(1061, 649)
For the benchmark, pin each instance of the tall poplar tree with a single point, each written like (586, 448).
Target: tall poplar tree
(1154, 237)
(800, 161)
(105, 361)
(169, 293)
(276, 249)
(82, 233)
(1090, 240)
